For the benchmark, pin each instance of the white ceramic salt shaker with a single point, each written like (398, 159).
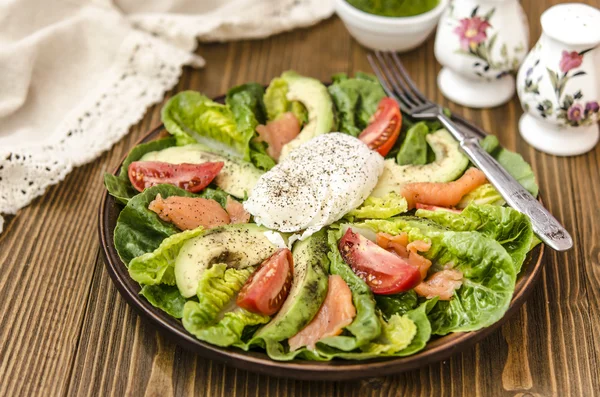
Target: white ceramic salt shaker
(480, 44)
(559, 82)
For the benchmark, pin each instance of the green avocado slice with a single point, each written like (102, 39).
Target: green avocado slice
(306, 295)
(315, 97)
(449, 164)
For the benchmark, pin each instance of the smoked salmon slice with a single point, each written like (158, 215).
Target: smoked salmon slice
(400, 246)
(337, 312)
(189, 212)
(279, 132)
(236, 211)
(442, 284)
(443, 194)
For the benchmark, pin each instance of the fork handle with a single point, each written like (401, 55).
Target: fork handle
(549, 230)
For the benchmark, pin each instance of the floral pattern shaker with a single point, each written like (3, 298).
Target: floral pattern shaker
(559, 85)
(480, 44)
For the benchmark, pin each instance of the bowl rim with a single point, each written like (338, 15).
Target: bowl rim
(437, 349)
(358, 15)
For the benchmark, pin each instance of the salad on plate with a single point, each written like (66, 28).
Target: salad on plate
(315, 222)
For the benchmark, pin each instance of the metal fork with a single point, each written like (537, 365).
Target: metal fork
(397, 84)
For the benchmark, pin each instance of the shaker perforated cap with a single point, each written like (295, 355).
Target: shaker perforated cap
(573, 24)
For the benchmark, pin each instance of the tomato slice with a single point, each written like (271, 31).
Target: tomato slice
(191, 177)
(384, 272)
(268, 287)
(381, 134)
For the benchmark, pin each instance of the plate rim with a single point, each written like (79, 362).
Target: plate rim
(258, 362)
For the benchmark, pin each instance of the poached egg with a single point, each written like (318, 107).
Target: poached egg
(315, 185)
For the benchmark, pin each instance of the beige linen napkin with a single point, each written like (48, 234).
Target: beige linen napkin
(76, 74)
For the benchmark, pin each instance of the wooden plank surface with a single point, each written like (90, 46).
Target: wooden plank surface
(65, 330)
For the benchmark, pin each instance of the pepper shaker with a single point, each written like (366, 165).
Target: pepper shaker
(480, 44)
(559, 85)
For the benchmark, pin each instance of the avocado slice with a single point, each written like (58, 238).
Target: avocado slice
(307, 293)
(449, 164)
(237, 246)
(237, 177)
(315, 97)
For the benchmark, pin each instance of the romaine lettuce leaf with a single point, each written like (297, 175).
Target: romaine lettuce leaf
(356, 100)
(192, 117)
(164, 297)
(276, 102)
(365, 326)
(140, 230)
(513, 163)
(381, 207)
(488, 270)
(509, 227)
(232, 330)
(414, 148)
(246, 103)
(217, 288)
(158, 266)
(484, 194)
(397, 304)
(402, 335)
(119, 186)
(215, 318)
(398, 333)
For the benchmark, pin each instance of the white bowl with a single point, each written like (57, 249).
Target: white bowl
(389, 33)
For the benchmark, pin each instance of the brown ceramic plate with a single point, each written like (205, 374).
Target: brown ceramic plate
(438, 349)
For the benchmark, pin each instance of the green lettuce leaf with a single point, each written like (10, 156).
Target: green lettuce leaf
(381, 207)
(513, 163)
(276, 102)
(488, 270)
(365, 325)
(215, 318)
(158, 266)
(397, 304)
(140, 230)
(232, 330)
(414, 148)
(246, 103)
(191, 117)
(397, 334)
(484, 194)
(164, 297)
(216, 289)
(119, 186)
(356, 100)
(509, 227)
(402, 335)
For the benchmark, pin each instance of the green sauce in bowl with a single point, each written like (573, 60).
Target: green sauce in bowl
(394, 8)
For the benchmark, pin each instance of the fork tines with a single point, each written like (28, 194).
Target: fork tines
(397, 84)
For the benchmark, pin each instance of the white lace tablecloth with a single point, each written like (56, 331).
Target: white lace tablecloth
(76, 74)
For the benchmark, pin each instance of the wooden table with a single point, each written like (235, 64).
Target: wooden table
(65, 330)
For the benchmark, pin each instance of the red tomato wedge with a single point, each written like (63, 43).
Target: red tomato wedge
(266, 289)
(191, 177)
(384, 272)
(384, 130)
(336, 313)
(189, 212)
